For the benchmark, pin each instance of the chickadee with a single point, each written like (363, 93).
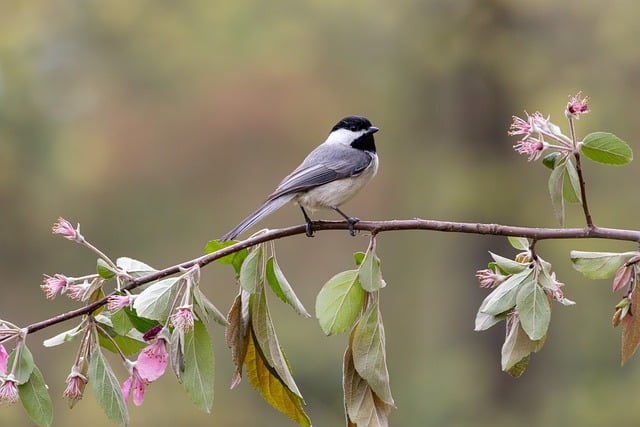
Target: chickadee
(328, 177)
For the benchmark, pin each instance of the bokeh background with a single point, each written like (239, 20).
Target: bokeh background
(158, 125)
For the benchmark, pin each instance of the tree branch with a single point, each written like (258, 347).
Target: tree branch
(589, 232)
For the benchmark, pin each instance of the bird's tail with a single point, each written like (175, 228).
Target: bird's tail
(267, 208)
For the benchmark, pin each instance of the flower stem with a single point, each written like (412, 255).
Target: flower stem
(583, 191)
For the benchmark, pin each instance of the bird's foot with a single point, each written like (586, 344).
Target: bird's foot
(308, 228)
(352, 220)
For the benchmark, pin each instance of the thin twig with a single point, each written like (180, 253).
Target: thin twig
(583, 191)
(374, 227)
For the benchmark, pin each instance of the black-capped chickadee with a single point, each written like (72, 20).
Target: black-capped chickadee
(328, 177)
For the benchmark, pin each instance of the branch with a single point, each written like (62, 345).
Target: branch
(374, 227)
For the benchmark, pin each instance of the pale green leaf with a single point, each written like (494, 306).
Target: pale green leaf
(571, 184)
(369, 354)
(134, 267)
(198, 374)
(520, 243)
(208, 310)
(555, 191)
(508, 266)
(106, 389)
(339, 302)
(155, 301)
(281, 287)
(369, 275)
(62, 337)
(25, 365)
(484, 321)
(534, 310)
(503, 297)
(35, 399)
(516, 349)
(250, 270)
(599, 265)
(605, 147)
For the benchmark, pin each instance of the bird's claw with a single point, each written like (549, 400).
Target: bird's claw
(352, 221)
(308, 228)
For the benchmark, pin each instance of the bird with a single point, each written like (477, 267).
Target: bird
(329, 176)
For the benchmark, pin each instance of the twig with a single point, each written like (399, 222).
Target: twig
(374, 227)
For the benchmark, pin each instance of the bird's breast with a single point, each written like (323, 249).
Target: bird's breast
(335, 193)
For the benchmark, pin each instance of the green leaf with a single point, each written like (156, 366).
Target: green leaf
(25, 366)
(369, 273)
(516, 349)
(358, 257)
(599, 265)
(250, 270)
(106, 389)
(155, 301)
(484, 321)
(551, 159)
(339, 302)
(104, 270)
(555, 191)
(121, 322)
(534, 310)
(267, 341)
(62, 337)
(363, 406)
(571, 184)
(134, 267)
(281, 287)
(368, 350)
(271, 387)
(508, 266)
(605, 147)
(503, 297)
(198, 374)
(235, 259)
(35, 399)
(208, 309)
(520, 243)
(141, 324)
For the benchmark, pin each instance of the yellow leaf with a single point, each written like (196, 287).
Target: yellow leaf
(271, 387)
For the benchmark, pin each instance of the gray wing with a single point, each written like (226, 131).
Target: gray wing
(323, 165)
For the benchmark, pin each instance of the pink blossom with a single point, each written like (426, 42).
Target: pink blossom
(183, 318)
(4, 358)
(531, 146)
(135, 382)
(153, 360)
(576, 106)
(520, 126)
(64, 228)
(116, 302)
(77, 291)
(75, 387)
(52, 285)
(488, 279)
(9, 390)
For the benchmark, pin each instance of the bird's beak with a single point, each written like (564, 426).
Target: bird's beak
(372, 129)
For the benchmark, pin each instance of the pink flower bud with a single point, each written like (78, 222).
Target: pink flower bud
(64, 228)
(52, 285)
(183, 318)
(576, 106)
(9, 390)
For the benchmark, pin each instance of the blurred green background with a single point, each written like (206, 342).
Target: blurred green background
(159, 125)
